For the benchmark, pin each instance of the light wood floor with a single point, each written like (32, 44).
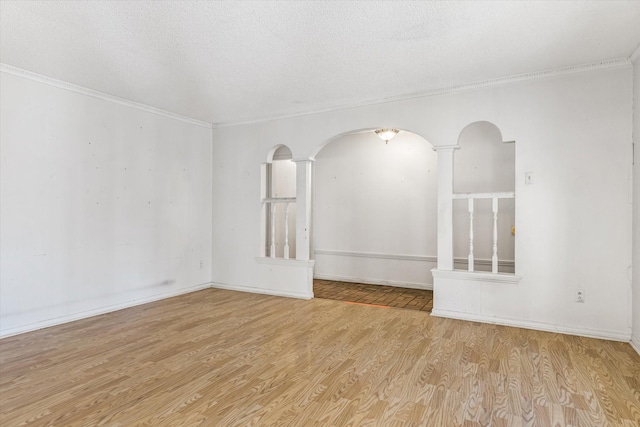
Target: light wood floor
(223, 358)
(390, 296)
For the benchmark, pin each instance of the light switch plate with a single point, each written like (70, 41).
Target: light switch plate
(528, 178)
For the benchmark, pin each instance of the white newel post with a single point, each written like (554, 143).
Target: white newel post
(303, 209)
(471, 235)
(445, 206)
(494, 256)
(286, 231)
(272, 250)
(264, 193)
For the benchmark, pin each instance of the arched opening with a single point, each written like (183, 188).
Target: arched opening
(375, 210)
(484, 186)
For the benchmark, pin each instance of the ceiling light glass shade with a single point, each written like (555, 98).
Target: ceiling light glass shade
(387, 134)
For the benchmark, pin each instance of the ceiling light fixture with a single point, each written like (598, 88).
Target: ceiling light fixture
(387, 134)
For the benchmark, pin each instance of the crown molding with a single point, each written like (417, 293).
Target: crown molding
(635, 54)
(9, 69)
(500, 81)
(609, 64)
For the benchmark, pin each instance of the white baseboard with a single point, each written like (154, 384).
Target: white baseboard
(538, 326)
(398, 284)
(635, 343)
(98, 311)
(419, 258)
(254, 290)
(377, 255)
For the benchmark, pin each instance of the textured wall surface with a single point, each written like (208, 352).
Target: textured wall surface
(573, 223)
(102, 205)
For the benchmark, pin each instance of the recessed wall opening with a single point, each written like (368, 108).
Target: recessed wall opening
(484, 196)
(375, 210)
(279, 204)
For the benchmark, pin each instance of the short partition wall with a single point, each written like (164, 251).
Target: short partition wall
(283, 263)
(405, 271)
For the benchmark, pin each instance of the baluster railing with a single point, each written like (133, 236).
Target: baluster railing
(495, 197)
(273, 203)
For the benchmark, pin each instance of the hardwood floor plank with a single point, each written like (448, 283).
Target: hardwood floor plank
(219, 357)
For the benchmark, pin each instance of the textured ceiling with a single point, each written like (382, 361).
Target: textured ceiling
(227, 61)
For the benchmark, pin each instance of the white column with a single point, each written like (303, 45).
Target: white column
(303, 209)
(264, 193)
(471, 235)
(445, 206)
(286, 230)
(494, 257)
(272, 251)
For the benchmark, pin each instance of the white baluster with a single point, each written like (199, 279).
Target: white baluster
(494, 257)
(286, 231)
(471, 262)
(272, 252)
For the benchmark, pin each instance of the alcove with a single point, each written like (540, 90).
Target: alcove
(279, 204)
(484, 166)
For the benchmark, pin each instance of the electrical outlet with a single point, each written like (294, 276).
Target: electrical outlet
(579, 295)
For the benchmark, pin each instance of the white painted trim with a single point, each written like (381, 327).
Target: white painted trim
(635, 54)
(101, 310)
(538, 326)
(262, 291)
(500, 81)
(445, 147)
(285, 262)
(100, 95)
(503, 195)
(395, 283)
(377, 255)
(279, 200)
(501, 263)
(419, 258)
(476, 276)
(635, 343)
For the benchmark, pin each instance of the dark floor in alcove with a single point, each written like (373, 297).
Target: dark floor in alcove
(412, 299)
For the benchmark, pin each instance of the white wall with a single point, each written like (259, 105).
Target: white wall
(573, 224)
(102, 205)
(636, 204)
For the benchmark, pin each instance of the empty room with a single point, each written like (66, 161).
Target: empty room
(331, 213)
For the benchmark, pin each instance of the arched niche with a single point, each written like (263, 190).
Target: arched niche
(279, 152)
(282, 180)
(484, 163)
(278, 193)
